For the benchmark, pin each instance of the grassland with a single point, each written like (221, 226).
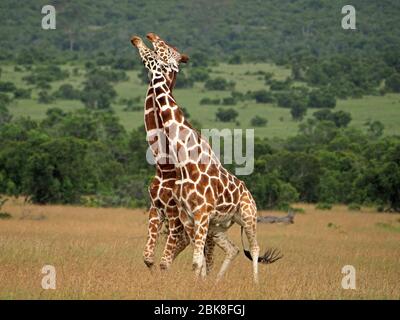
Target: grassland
(97, 255)
(383, 108)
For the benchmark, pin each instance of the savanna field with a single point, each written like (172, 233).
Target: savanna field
(97, 254)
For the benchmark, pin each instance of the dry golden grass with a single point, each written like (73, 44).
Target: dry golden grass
(97, 254)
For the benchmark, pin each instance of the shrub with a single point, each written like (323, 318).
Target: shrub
(199, 74)
(45, 97)
(20, 93)
(263, 96)
(393, 83)
(46, 74)
(321, 99)
(5, 215)
(259, 121)
(277, 85)
(219, 83)
(229, 101)
(324, 206)
(226, 115)
(210, 101)
(7, 86)
(354, 207)
(298, 111)
(235, 59)
(68, 92)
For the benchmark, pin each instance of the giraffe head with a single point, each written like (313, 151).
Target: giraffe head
(150, 59)
(168, 53)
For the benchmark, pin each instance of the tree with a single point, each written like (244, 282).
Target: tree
(321, 99)
(5, 116)
(67, 91)
(263, 96)
(199, 74)
(97, 92)
(393, 83)
(56, 171)
(226, 115)
(375, 128)
(235, 59)
(298, 111)
(45, 97)
(7, 86)
(340, 118)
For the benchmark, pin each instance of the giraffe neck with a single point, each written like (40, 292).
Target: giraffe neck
(185, 142)
(154, 130)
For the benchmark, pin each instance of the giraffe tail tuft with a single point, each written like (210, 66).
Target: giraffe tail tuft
(270, 256)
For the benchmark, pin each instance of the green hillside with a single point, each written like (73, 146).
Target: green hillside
(385, 109)
(263, 30)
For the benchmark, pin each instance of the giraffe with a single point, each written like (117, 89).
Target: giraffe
(172, 57)
(163, 207)
(210, 199)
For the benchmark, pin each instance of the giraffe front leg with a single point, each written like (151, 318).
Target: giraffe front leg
(175, 231)
(153, 230)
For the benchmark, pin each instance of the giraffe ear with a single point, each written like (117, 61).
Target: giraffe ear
(184, 58)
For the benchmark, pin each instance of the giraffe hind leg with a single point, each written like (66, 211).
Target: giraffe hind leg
(248, 217)
(230, 249)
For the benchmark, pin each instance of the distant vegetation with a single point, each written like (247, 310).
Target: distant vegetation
(79, 151)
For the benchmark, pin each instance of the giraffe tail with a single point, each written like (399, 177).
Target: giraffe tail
(270, 256)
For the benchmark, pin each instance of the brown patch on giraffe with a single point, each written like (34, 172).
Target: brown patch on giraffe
(224, 179)
(235, 196)
(165, 196)
(166, 115)
(204, 180)
(227, 196)
(192, 169)
(171, 101)
(168, 184)
(178, 115)
(209, 195)
(212, 171)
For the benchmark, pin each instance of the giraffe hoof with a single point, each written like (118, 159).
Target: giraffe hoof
(164, 266)
(149, 263)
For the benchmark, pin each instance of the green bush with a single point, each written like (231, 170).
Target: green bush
(354, 207)
(20, 93)
(68, 92)
(209, 101)
(393, 83)
(219, 83)
(258, 121)
(263, 96)
(226, 115)
(323, 206)
(45, 97)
